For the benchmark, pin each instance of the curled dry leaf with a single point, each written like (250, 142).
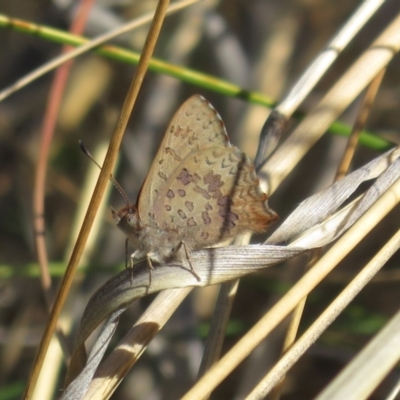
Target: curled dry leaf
(223, 264)
(318, 207)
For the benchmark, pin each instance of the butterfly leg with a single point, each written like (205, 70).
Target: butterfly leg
(127, 256)
(150, 267)
(130, 257)
(188, 258)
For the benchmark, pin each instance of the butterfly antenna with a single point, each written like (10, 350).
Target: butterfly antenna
(112, 179)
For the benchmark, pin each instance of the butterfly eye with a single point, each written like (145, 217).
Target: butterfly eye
(131, 219)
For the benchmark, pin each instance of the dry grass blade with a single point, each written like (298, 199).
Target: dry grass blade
(383, 350)
(332, 105)
(394, 392)
(276, 121)
(342, 170)
(211, 266)
(318, 207)
(323, 321)
(98, 192)
(79, 387)
(127, 352)
(328, 55)
(301, 289)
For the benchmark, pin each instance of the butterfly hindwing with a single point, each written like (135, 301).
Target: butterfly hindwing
(212, 196)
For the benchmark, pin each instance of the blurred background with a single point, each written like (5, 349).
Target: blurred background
(260, 45)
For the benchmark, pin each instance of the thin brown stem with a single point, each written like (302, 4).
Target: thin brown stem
(47, 133)
(359, 125)
(49, 124)
(98, 192)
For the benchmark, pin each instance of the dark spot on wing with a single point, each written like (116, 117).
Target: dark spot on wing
(206, 218)
(189, 205)
(191, 222)
(182, 214)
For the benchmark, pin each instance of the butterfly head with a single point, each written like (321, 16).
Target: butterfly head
(127, 219)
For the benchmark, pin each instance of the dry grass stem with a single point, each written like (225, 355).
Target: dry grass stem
(342, 170)
(301, 289)
(359, 125)
(98, 193)
(320, 325)
(219, 322)
(382, 350)
(53, 64)
(273, 127)
(332, 105)
(328, 55)
(127, 352)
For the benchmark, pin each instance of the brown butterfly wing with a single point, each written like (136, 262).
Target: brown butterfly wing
(211, 196)
(195, 126)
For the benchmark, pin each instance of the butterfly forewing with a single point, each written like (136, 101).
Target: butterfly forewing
(195, 126)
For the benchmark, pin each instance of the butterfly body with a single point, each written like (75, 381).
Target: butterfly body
(201, 191)
(150, 240)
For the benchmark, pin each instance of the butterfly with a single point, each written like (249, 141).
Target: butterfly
(201, 191)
